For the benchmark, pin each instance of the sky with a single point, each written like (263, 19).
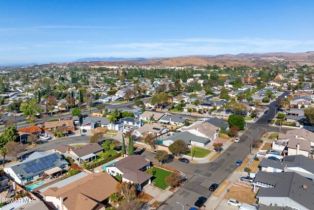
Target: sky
(40, 31)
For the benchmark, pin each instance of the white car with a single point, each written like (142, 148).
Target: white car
(237, 140)
(233, 202)
(44, 137)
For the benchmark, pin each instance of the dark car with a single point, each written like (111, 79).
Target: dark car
(184, 160)
(213, 187)
(200, 201)
(238, 162)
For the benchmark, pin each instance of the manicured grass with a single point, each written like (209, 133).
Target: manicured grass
(160, 175)
(198, 152)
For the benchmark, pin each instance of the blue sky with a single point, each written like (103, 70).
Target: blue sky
(65, 30)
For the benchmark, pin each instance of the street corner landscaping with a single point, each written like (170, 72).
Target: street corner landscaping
(198, 152)
(159, 177)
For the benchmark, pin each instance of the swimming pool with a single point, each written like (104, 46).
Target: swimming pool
(35, 185)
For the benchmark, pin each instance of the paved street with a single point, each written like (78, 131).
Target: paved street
(201, 176)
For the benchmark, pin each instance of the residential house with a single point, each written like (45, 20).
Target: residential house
(150, 116)
(82, 153)
(132, 169)
(35, 166)
(90, 123)
(90, 192)
(29, 130)
(220, 123)
(155, 129)
(203, 129)
(294, 163)
(64, 126)
(284, 190)
(188, 138)
(172, 119)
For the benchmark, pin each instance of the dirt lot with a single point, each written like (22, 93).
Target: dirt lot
(242, 193)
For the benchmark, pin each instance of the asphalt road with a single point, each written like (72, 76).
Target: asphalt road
(201, 176)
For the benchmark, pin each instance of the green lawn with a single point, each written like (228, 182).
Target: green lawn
(198, 152)
(159, 175)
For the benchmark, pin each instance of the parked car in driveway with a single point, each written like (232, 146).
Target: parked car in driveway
(237, 140)
(246, 179)
(200, 202)
(213, 187)
(184, 160)
(233, 202)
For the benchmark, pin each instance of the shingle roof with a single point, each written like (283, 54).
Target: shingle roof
(205, 128)
(299, 161)
(271, 163)
(172, 118)
(288, 184)
(86, 193)
(131, 165)
(187, 137)
(87, 149)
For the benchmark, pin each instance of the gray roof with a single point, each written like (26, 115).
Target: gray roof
(87, 149)
(299, 161)
(220, 123)
(131, 165)
(172, 118)
(94, 120)
(36, 166)
(271, 163)
(291, 185)
(187, 137)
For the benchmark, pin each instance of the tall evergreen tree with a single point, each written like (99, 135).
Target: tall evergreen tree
(131, 146)
(123, 146)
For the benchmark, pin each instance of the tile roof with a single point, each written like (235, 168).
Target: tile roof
(30, 129)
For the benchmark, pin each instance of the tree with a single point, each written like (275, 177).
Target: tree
(32, 139)
(161, 156)
(247, 170)
(127, 190)
(96, 137)
(9, 134)
(217, 146)
(51, 103)
(224, 94)
(76, 112)
(173, 180)
(123, 149)
(108, 145)
(3, 152)
(14, 148)
(131, 146)
(129, 93)
(150, 139)
(309, 114)
(236, 121)
(178, 147)
(30, 108)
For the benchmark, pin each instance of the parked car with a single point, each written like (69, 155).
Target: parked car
(237, 140)
(238, 162)
(44, 137)
(200, 201)
(184, 160)
(213, 187)
(246, 179)
(233, 202)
